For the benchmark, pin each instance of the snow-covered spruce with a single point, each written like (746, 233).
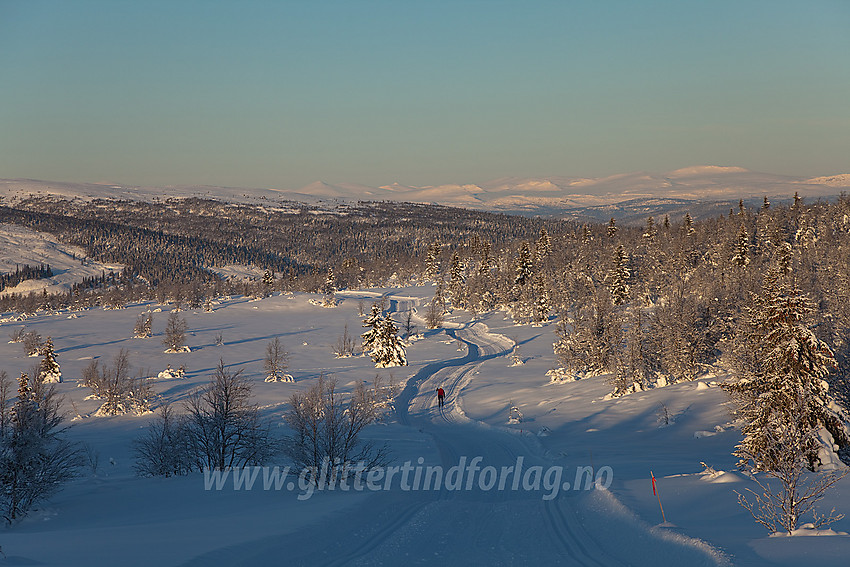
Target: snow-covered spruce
(782, 388)
(619, 277)
(48, 370)
(328, 290)
(387, 347)
(372, 323)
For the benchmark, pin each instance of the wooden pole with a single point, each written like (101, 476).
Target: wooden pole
(655, 491)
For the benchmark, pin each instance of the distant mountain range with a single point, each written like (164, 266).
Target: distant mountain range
(630, 197)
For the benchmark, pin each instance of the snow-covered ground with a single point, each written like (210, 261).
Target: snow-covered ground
(111, 517)
(20, 245)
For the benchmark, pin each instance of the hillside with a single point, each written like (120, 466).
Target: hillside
(108, 510)
(697, 187)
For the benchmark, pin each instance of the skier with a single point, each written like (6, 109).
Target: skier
(441, 396)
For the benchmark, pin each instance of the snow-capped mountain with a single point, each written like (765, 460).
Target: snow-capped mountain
(618, 195)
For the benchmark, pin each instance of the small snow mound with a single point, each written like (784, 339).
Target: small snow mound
(280, 378)
(171, 374)
(714, 476)
(809, 530)
(562, 376)
(701, 434)
(178, 350)
(702, 386)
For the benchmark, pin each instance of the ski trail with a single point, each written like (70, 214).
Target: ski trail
(379, 537)
(470, 526)
(483, 345)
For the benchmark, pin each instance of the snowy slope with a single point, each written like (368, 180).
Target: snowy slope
(110, 517)
(20, 245)
(14, 190)
(543, 195)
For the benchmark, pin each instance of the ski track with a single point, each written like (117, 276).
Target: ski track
(443, 527)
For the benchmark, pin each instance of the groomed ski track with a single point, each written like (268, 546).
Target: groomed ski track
(463, 527)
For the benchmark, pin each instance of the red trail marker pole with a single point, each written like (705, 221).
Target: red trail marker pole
(655, 492)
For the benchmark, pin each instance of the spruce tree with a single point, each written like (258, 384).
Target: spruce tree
(618, 278)
(524, 266)
(48, 369)
(372, 323)
(783, 258)
(456, 282)
(432, 262)
(782, 385)
(329, 289)
(784, 403)
(543, 247)
(650, 232)
(268, 280)
(742, 248)
(486, 263)
(689, 225)
(388, 348)
(541, 301)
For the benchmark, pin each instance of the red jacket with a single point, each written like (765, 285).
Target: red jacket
(440, 393)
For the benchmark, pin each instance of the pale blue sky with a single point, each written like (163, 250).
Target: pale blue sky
(279, 94)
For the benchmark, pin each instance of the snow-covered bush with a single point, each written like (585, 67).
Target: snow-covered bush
(225, 429)
(144, 326)
(171, 373)
(35, 457)
(32, 343)
(327, 428)
(17, 335)
(276, 362)
(175, 334)
(120, 392)
(165, 448)
(344, 346)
